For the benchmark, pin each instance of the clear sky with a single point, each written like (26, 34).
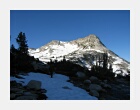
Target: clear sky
(43, 26)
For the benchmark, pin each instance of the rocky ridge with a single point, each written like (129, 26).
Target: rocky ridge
(81, 51)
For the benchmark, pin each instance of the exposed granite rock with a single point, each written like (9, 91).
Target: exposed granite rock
(95, 87)
(80, 75)
(87, 82)
(94, 93)
(33, 84)
(19, 92)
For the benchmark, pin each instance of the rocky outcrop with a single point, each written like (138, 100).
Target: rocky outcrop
(33, 84)
(87, 82)
(91, 41)
(94, 80)
(19, 92)
(80, 75)
(95, 87)
(106, 86)
(94, 93)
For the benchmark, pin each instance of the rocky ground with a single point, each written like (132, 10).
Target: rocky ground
(119, 89)
(30, 92)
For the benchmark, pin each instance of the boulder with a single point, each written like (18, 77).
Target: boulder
(95, 87)
(80, 75)
(94, 80)
(94, 93)
(30, 92)
(106, 86)
(33, 84)
(87, 82)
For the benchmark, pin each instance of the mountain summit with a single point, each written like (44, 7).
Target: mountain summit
(81, 51)
(90, 41)
(89, 38)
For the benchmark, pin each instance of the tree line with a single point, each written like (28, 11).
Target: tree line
(20, 61)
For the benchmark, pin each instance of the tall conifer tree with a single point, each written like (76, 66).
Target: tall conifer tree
(22, 42)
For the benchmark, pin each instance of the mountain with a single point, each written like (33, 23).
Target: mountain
(83, 51)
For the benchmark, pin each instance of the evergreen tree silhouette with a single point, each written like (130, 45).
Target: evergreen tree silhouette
(110, 68)
(13, 60)
(23, 59)
(22, 42)
(105, 60)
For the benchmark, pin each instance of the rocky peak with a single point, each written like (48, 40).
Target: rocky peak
(91, 38)
(90, 41)
(81, 50)
(54, 42)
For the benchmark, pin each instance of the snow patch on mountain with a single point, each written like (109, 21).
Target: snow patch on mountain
(81, 50)
(118, 61)
(54, 50)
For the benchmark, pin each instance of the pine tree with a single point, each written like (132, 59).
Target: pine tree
(64, 59)
(13, 50)
(99, 61)
(110, 68)
(13, 60)
(105, 60)
(23, 59)
(22, 42)
(96, 61)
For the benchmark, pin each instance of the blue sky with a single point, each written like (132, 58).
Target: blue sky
(43, 26)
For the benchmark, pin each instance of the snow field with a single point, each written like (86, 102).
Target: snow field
(57, 87)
